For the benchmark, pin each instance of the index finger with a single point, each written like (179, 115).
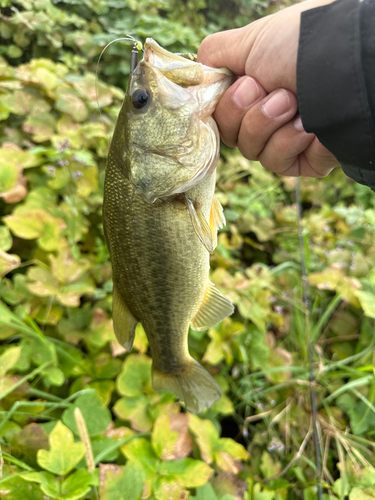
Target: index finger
(226, 49)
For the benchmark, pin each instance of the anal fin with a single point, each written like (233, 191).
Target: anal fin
(214, 308)
(217, 219)
(200, 225)
(124, 322)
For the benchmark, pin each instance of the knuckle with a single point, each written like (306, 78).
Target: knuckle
(269, 165)
(230, 142)
(207, 46)
(204, 45)
(248, 154)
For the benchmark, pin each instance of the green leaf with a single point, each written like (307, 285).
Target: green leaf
(97, 416)
(164, 440)
(8, 262)
(206, 436)
(8, 359)
(223, 405)
(360, 419)
(268, 467)
(13, 156)
(260, 493)
(64, 453)
(367, 300)
(49, 484)
(99, 444)
(229, 484)
(9, 430)
(171, 438)
(104, 389)
(309, 494)
(136, 411)
(100, 92)
(236, 450)
(41, 125)
(36, 223)
(187, 471)
(361, 494)
(54, 375)
(168, 488)
(206, 492)
(124, 484)
(69, 102)
(46, 78)
(28, 441)
(77, 484)
(135, 376)
(141, 452)
(5, 239)
(18, 488)
(74, 487)
(8, 178)
(106, 367)
(140, 340)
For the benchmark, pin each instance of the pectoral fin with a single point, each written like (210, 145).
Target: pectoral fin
(200, 225)
(124, 322)
(217, 219)
(214, 308)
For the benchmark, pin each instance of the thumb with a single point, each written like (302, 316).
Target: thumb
(229, 49)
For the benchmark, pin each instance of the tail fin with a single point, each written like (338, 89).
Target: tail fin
(194, 385)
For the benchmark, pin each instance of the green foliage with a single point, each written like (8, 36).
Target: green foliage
(125, 484)
(95, 413)
(63, 454)
(58, 351)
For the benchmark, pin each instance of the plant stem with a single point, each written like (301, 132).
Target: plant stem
(307, 302)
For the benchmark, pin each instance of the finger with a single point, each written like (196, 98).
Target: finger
(229, 49)
(234, 104)
(281, 152)
(319, 159)
(293, 152)
(263, 119)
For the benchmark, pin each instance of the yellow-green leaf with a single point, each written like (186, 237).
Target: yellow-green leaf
(170, 437)
(135, 376)
(64, 454)
(8, 359)
(188, 472)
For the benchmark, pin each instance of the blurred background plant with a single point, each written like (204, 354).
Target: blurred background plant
(78, 416)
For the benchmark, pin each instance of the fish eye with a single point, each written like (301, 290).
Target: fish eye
(140, 98)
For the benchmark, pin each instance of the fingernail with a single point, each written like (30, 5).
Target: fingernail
(298, 124)
(277, 104)
(246, 93)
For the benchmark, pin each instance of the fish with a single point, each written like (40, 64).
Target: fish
(161, 218)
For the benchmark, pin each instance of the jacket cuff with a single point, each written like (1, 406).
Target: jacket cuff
(331, 90)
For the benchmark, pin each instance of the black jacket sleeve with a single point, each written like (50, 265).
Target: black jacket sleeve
(336, 82)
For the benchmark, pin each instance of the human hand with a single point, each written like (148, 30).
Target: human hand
(258, 112)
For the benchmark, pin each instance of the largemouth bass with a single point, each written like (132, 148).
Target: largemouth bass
(161, 218)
